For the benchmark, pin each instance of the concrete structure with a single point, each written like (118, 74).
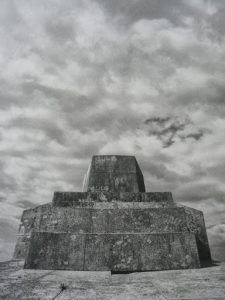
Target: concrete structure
(113, 225)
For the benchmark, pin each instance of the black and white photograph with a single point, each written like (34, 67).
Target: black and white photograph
(112, 149)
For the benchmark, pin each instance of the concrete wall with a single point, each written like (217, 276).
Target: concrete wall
(115, 173)
(115, 252)
(196, 225)
(90, 198)
(30, 219)
(125, 219)
(122, 217)
(91, 220)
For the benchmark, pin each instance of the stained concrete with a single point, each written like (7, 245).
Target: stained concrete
(195, 284)
(76, 199)
(114, 173)
(115, 252)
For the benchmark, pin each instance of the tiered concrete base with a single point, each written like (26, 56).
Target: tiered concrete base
(98, 231)
(115, 225)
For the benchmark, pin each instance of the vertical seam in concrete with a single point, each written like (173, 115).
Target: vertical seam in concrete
(187, 218)
(108, 225)
(91, 219)
(85, 237)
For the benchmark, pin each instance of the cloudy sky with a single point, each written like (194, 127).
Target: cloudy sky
(139, 77)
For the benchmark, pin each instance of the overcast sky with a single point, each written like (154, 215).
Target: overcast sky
(138, 77)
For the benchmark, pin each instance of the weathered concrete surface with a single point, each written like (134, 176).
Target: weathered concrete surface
(19, 284)
(114, 173)
(77, 199)
(115, 252)
(196, 224)
(108, 219)
(119, 217)
(30, 219)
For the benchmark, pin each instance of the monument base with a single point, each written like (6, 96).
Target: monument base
(118, 252)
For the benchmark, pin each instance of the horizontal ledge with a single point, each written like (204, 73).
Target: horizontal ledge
(116, 233)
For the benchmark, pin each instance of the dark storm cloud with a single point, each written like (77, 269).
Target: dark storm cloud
(144, 78)
(167, 129)
(165, 132)
(196, 136)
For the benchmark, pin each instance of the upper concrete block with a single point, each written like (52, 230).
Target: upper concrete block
(77, 199)
(114, 173)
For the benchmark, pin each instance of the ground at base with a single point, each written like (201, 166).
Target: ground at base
(17, 283)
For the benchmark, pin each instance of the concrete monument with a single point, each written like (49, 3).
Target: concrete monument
(113, 225)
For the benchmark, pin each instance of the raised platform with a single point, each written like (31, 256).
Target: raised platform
(113, 217)
(113, 225)
(195, 284)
